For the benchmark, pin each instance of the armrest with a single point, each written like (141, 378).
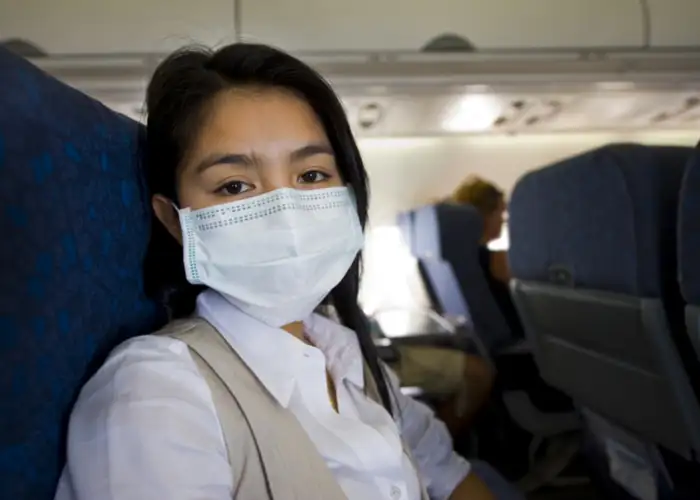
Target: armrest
(433, 340)
(387, 351)
(412, 391)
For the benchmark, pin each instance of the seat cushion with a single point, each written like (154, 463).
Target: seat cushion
(603, 220)
(75, 221)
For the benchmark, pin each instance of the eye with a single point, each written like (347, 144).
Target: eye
(313, 177)
(234, 188)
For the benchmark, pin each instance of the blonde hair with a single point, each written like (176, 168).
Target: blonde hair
(481, 194)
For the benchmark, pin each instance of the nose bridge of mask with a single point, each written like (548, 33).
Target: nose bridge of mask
(280, 200)
(281, 224)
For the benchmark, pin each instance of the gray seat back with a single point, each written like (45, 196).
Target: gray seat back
(594, 259)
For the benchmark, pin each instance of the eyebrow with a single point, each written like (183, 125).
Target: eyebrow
(224, 159)
(311, 150)
(246, 160)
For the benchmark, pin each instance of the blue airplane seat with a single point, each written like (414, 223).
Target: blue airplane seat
(593, 253)
(404, 221)
(689, 248)
(460, 230)
(446, 242)
(75, 216)
(438, 276)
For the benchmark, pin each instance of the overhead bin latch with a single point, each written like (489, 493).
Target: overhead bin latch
(23, 48)
(449, 42)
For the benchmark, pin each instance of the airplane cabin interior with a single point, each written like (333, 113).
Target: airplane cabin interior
(534, 213)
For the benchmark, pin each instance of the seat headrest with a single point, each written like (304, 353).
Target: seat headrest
(75, 217)
(460, 228)
(603, 220)
(426, 233)
(447, 240)
(404, 221)
(445, 228)
(689, 232)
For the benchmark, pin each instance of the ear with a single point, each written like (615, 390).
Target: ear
(167, 215)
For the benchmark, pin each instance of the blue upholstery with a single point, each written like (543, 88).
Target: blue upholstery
(446, 242)
(461, 228)
(689, 232)
(75, 221)
(404, 221)
(426, 233)
(593, 254)
(442, 284)
(577, 215)
(444, 288)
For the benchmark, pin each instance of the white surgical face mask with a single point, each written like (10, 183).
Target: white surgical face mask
(274, 256)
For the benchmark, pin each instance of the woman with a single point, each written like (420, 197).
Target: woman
(489, 200)
(255, 173)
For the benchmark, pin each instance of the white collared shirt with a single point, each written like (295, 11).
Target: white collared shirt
(145, 425)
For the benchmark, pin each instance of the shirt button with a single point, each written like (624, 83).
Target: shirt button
(395, 492)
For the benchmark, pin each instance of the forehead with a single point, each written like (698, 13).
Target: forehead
(258, 120)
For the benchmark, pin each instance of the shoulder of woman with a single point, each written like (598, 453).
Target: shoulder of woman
(147, 401)
(141, 367)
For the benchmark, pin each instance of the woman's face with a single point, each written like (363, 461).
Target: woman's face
(493, 223)
(252, 142)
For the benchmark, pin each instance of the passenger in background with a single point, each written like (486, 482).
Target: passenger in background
(465, 381)
(490, 201)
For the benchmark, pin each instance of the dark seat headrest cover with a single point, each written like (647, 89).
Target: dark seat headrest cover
(689, 232)
(603, 220)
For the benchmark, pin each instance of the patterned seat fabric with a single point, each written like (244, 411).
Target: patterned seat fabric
(603, 220)
(75, 221)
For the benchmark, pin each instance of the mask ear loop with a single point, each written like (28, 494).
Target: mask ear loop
(191, 270)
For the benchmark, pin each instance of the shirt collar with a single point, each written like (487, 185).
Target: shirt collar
(340, 346)
(261, 347)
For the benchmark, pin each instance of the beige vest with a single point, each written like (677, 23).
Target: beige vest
(271, 456)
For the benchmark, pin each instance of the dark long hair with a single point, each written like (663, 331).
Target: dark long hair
(178, 97)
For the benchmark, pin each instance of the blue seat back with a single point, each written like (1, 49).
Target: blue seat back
(593, 254)
(74, 214)
(461, 228)
(446, 239)
(441, 283)
(404, 221)
(689, 231)
(689, 247)
(605, 219)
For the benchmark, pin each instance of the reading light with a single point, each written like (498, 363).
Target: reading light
(473, 113)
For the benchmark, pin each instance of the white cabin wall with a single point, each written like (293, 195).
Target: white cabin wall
(406, 173)
(119, 26)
